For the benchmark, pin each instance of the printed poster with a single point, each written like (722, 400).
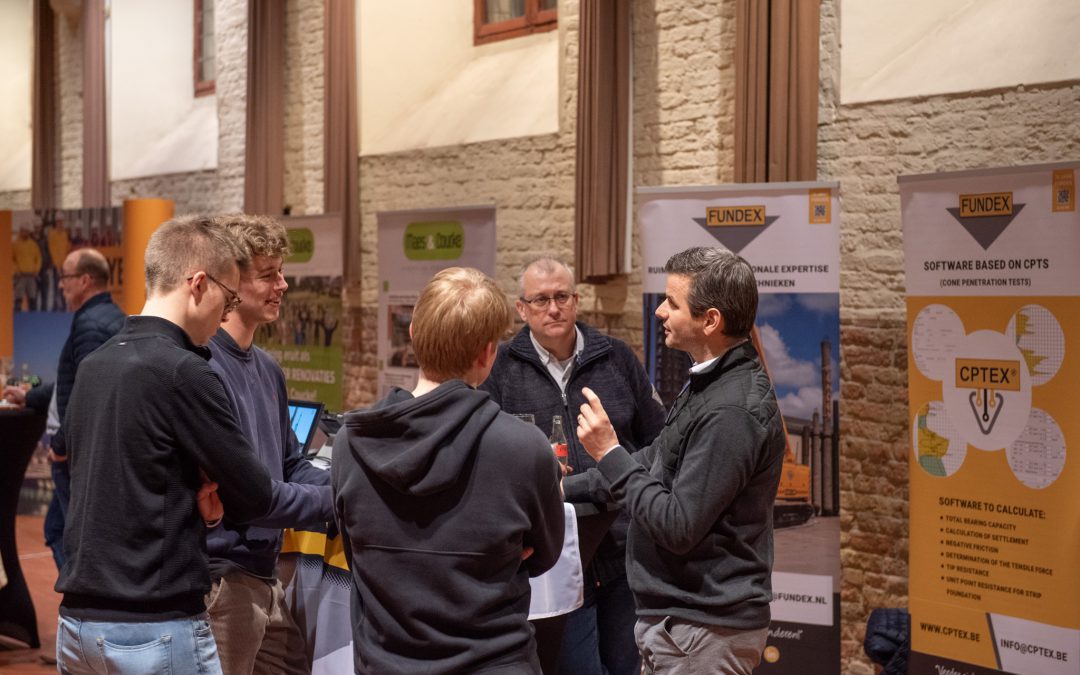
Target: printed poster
(790, 235)
(306, 338)
(41, 321)
(993, 285)
(413, 246)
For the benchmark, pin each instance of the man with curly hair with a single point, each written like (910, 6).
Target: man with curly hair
(252, 625)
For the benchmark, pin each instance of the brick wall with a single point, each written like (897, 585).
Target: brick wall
(304, 106)
(15, 200)
(222, 189)
(69, 112)
(865, 147)
(683, 125)
(529, 180)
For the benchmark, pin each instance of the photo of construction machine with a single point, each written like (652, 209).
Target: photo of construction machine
(808, 482)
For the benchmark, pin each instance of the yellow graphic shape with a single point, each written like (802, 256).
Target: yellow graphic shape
(1033, 360)
(932, 446)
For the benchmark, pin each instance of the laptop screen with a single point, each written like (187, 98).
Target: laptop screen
(304, 419)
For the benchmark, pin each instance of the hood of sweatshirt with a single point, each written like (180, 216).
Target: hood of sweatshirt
(419, 445)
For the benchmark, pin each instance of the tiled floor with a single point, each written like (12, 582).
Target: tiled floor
(40, 572)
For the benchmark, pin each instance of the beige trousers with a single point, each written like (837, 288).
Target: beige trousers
(254, 631)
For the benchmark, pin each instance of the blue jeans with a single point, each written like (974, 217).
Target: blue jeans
(56, 516)
(99, 647)
(599, 635)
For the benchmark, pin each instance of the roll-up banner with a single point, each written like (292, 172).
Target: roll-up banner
(413, 246)
(790, 235)
(992, 304)
(306, 339)
(37, 318)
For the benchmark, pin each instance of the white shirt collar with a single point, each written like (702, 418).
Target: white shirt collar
(546, 356)
(698, 367)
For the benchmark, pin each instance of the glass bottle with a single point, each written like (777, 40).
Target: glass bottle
(558, 439)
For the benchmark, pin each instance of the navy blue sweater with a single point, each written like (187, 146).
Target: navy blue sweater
(95, 322)
(301, 492)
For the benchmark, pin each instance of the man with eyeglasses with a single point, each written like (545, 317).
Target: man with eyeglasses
(156, 456)
(252, 626)
(542, 371)
(84, 281)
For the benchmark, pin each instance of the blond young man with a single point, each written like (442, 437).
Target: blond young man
(440, 496)
(252, 625)
(147, 423)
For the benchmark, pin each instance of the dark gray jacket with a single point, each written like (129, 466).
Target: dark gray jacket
(700, 498)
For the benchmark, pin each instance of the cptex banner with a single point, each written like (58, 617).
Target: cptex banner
(993, 284)
(306, 340)
(789, 233)
(413, 246)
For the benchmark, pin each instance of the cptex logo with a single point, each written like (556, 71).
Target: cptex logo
(988, 374)
(441, 240)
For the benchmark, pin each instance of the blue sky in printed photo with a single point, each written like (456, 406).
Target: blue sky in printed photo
(792, 326)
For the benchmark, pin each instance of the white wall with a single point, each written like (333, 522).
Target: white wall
(156, 125)
(16, 69)
(893, 50)
(423, 84)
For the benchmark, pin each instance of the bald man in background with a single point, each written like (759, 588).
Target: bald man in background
(84, 282)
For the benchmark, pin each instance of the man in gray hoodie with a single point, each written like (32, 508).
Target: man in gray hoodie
(446, 504)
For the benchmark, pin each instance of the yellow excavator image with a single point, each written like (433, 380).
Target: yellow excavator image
(794, 504)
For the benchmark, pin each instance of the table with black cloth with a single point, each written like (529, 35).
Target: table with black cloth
(20, 429)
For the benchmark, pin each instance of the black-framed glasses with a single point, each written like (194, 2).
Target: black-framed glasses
(542, 301)
(60, 279)
(232, 300)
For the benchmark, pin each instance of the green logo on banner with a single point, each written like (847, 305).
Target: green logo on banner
(302, 244)
(444, 240)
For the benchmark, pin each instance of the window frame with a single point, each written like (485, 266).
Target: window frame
(202, 87)
(534, 21)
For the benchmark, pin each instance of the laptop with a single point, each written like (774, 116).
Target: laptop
(304, 420)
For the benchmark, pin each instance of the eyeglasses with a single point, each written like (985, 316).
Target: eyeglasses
(542, 301)
(232, 300)
(60, 279)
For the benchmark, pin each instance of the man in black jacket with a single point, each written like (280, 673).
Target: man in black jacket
(446, 505)
(542, 372)
(84, 281)
(700, 549)
(150, 435)
(252, 625)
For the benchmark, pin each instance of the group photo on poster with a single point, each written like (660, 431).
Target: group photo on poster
(306, 339)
